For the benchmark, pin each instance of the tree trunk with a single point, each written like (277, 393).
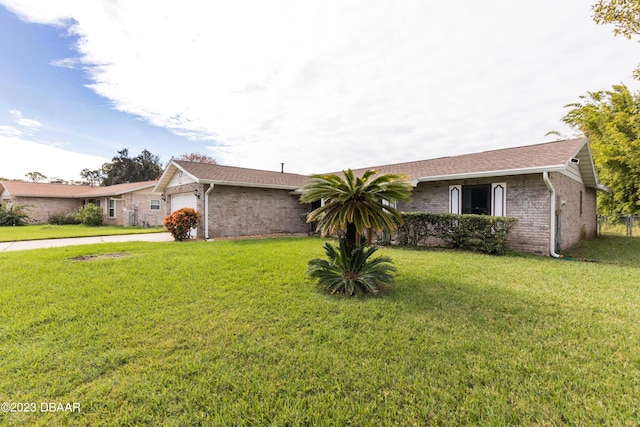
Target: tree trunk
(351, 236)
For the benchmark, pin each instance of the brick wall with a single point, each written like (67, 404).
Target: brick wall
(40, 208)
(576, 222)
(238, 211)
(527, 200)
(127, 205)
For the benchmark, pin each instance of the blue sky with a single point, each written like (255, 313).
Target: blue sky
(319, 85)
(71, 116)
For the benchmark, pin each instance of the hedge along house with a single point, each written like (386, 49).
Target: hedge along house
(234, 201)
(550, 188)
(124, 204)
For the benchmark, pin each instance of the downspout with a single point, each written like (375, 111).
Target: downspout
(552, 217)
(206, 212)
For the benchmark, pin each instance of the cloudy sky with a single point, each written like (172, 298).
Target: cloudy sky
(319, 85)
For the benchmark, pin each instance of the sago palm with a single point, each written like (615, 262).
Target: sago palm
(354, 204)
(351, 271)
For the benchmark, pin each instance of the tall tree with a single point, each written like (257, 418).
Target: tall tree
(611, 121)
(624, 15)
(35, 176)
(122, 169)
(93, 177)
(197, 157)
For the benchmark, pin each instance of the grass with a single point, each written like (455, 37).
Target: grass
(46, 231)
(234, 333)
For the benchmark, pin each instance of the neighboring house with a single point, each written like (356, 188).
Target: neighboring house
(550, 188)
(234, 201)
(124, 204)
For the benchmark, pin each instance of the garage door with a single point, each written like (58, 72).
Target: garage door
(184, 200)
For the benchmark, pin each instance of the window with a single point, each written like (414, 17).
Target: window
(484, 199)
(155, 205)
(111, 211)
(476, 199)
(581, 204)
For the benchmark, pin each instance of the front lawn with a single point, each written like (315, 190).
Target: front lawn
(234, 333)
(46, 231)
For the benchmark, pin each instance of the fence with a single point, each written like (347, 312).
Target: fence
(630, 224)
(144, 220)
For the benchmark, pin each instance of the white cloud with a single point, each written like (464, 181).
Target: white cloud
(20, 120)
(330, 84)
(20, 156)
(70, 63)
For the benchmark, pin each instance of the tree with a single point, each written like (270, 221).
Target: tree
(198, 158)
(354, 204)
(624, 15)
(93, 177)
(122, 169)
(35, 176)
(611, 121)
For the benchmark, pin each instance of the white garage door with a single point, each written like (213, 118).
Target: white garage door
(184, 200)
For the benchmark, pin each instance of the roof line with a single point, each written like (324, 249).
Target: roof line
(485, 174)
(248, 184)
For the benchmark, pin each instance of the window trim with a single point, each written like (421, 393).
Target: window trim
(498, 202)
(111, 208)
(153, 207)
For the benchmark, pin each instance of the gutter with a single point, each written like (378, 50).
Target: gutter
(206, 211)
(552, 216)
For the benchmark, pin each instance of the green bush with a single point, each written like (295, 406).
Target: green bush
(91, 215)
(69, 218)
(483, 233)
(14, 215)
(179, 223)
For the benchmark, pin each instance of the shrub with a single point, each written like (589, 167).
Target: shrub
(14, 215)
(351, 272)
(91, 215)
(69, 218)
(487, 234)
(179, 223)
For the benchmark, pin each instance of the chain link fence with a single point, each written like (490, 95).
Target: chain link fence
(627, 224)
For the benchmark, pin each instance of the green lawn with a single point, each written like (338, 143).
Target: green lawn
(233, 333)
(46, 231)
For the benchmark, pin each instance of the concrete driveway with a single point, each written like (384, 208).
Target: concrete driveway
(53, 243)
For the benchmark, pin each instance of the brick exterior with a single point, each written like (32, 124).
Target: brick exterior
(528, 200)
(238, 211)
(576, 222)
(40, 208)
(134, 209)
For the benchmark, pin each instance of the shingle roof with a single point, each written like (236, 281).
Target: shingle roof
(531, 157)
(536, 158)
(39, 189)
(234, 175)
(118, 189)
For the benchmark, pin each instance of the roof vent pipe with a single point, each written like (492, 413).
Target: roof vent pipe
(281, 167)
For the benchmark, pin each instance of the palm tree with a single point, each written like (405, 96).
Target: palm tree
(354, 204)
